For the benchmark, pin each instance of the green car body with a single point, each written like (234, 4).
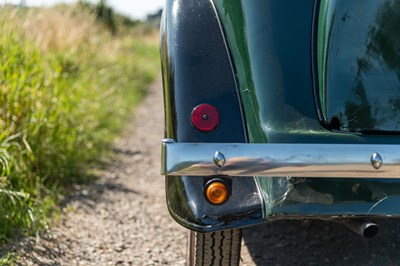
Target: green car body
(274, 55)
(310, 72)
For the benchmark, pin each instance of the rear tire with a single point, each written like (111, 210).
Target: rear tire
(221, 248)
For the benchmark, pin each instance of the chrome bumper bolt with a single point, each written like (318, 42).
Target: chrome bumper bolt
(376, 161)
(219, 159)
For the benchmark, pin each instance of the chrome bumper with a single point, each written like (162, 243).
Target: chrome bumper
(295, 160)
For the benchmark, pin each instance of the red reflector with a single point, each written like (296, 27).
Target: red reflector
(205, 117)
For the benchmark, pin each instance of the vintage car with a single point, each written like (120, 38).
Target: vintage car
(279, 109)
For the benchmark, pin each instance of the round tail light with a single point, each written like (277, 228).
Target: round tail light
(216, 192)
(205, 118)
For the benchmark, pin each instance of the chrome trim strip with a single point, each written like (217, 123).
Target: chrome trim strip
(296, 160)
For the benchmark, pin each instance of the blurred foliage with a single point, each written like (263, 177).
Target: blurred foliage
(106, 15)
(65, 92)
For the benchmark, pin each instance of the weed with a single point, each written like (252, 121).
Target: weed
(8, 260)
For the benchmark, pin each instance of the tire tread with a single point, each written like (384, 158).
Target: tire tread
(220, 248)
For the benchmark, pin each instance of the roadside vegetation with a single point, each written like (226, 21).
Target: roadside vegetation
(69, 78)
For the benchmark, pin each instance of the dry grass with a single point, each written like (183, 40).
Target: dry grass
(65, 28)
(56, 29)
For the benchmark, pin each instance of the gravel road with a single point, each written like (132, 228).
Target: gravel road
(122, 219)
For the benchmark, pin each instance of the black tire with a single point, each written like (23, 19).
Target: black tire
(221, 248)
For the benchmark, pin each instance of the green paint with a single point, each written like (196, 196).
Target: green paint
(359, 64)
(325, 20)
(234, 23)
(260, 82)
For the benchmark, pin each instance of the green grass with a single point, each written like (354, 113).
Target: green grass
(8, 259)
(63, 98)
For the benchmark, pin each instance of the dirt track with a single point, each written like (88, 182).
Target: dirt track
(122, 219)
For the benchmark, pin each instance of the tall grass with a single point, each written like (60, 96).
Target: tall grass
(67, 85)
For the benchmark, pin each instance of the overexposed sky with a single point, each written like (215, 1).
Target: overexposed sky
(133, 8)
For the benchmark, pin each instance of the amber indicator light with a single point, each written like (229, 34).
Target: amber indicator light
(217, 193)
(205, 117)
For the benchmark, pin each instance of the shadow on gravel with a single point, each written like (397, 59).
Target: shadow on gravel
(126, 151)
(322, 243)
(46, 253)
(89, 195)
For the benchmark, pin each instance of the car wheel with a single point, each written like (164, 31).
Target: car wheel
(216, 248)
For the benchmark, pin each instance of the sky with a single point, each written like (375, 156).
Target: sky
(133, 8)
